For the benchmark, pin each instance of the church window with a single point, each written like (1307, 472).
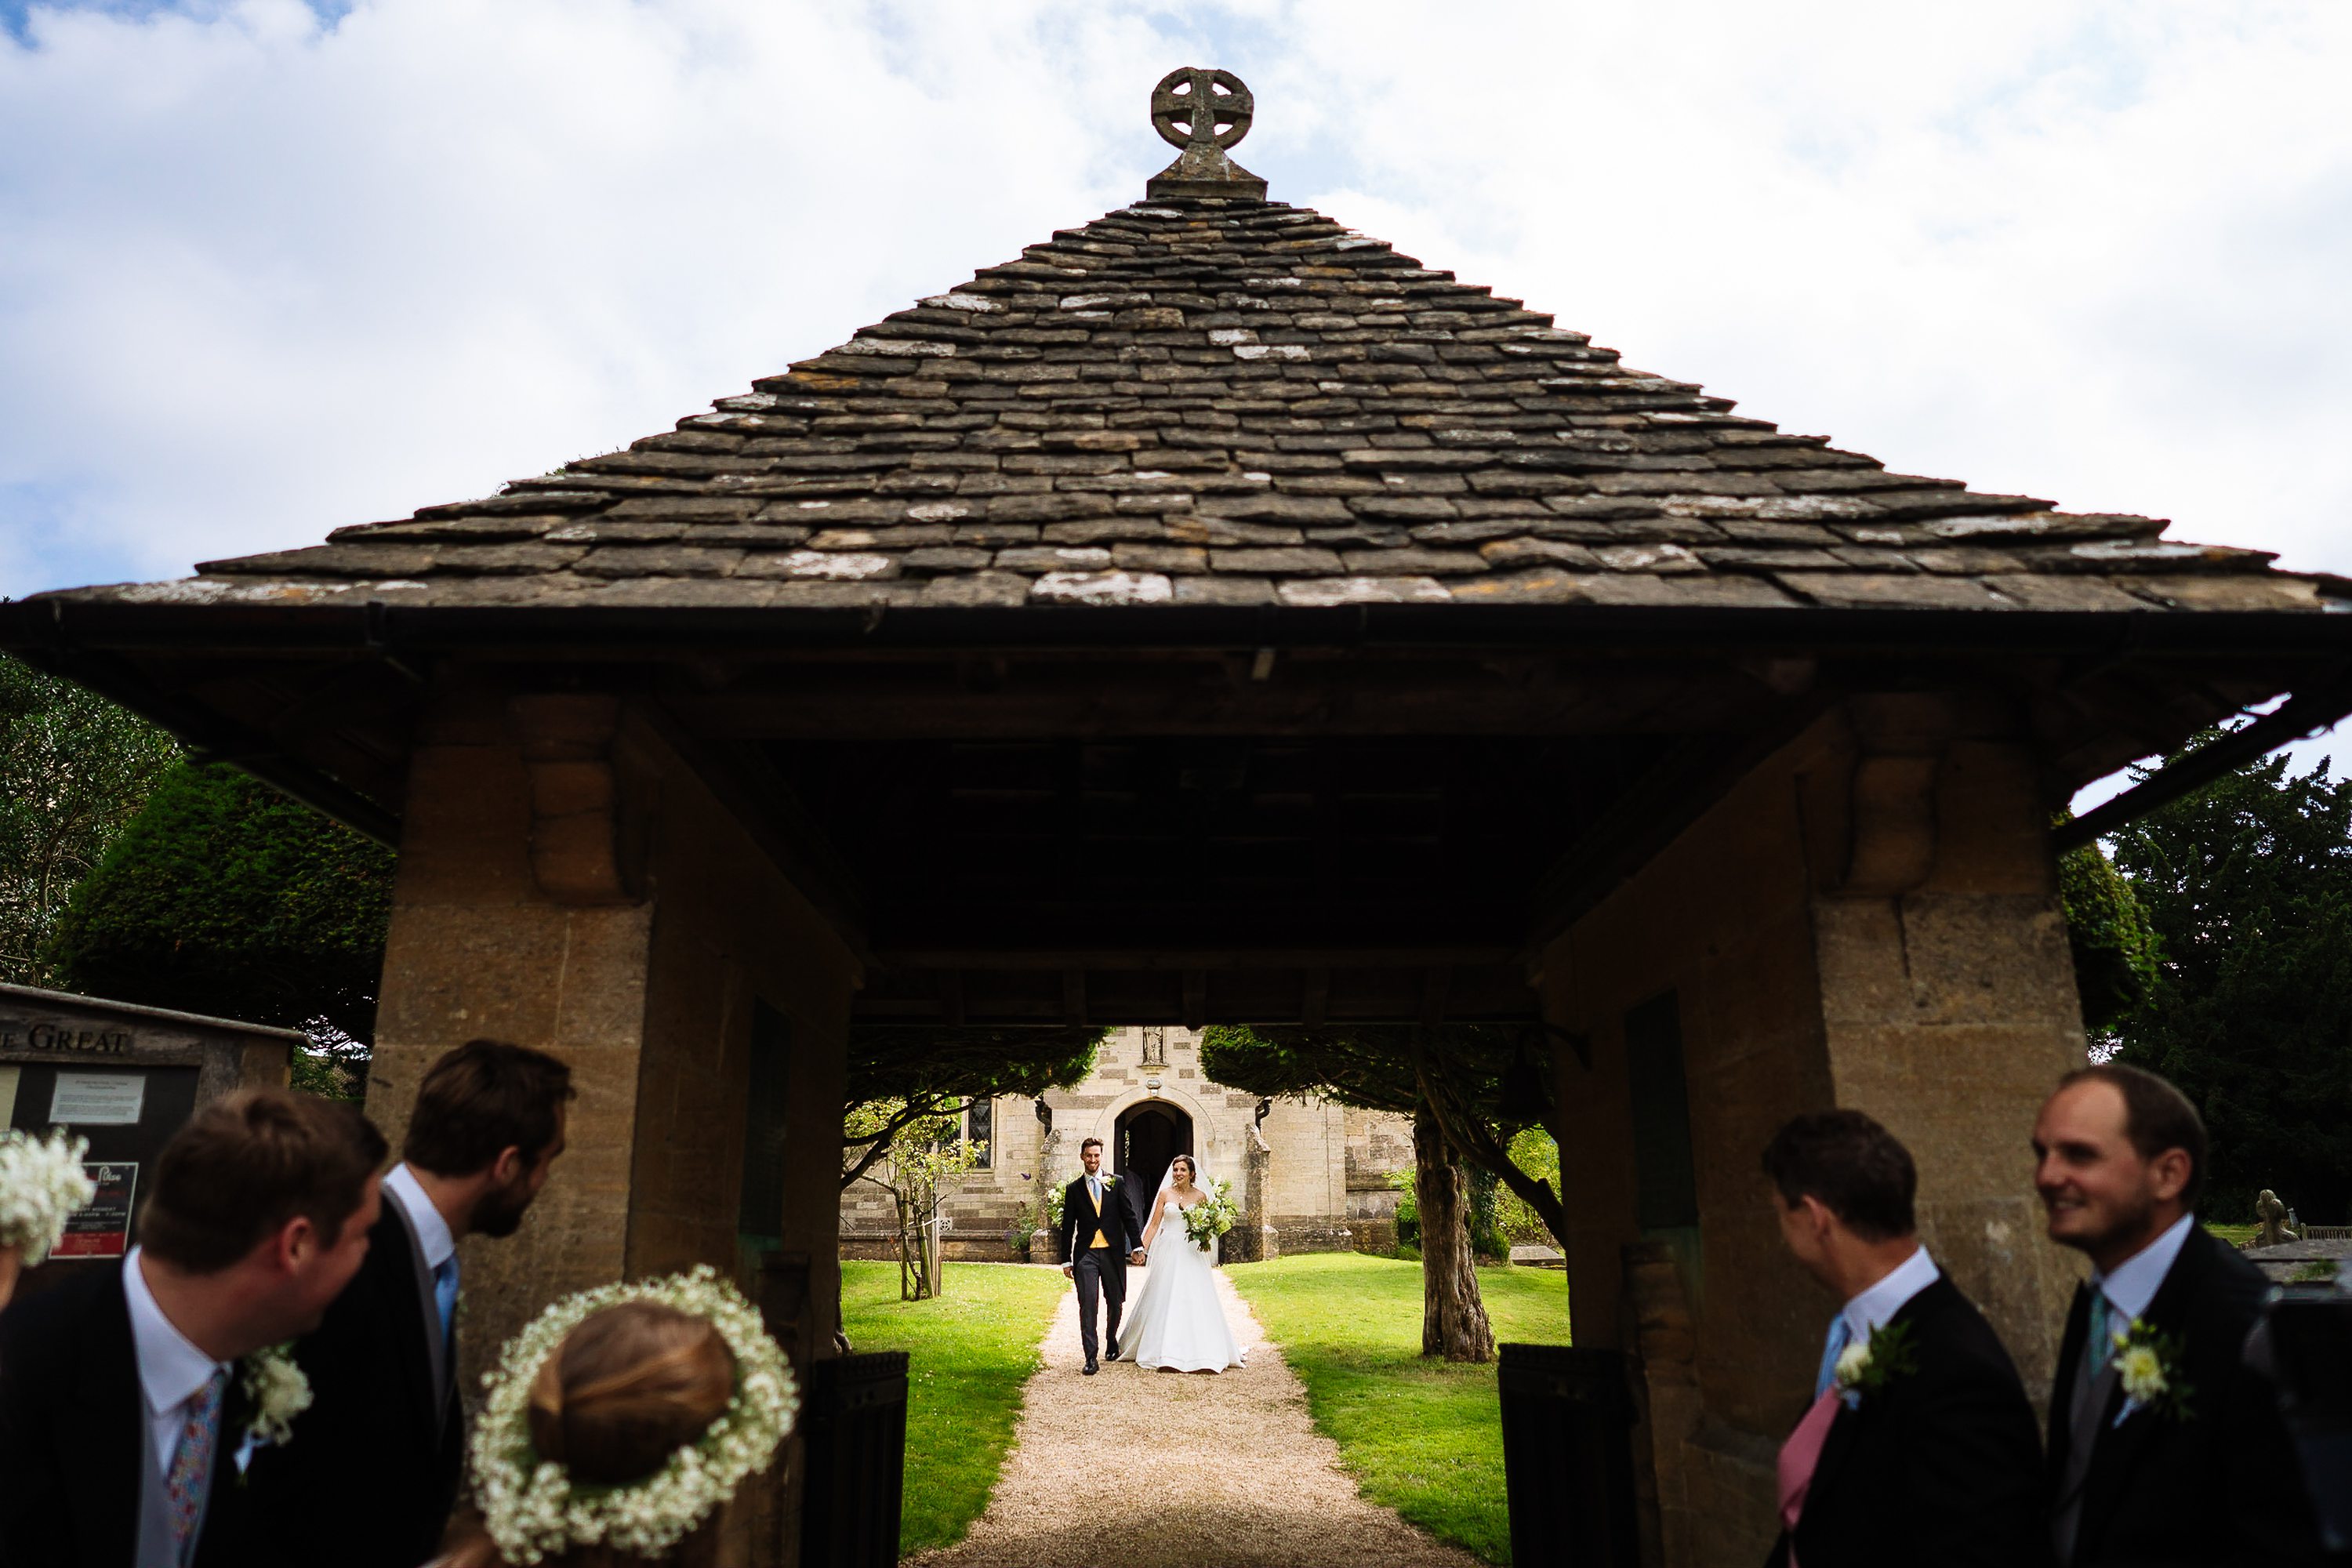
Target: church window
(980, 1126)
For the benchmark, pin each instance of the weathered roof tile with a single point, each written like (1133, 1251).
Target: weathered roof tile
(1225, 402)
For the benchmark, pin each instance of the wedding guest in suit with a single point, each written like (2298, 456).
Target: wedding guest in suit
(1101, 1235)
(1919, 1447)
(2165, 1446)
(488, 1125)
(124, 1411)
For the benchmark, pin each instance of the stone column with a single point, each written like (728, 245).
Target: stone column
(1869, 919)
(567, 881)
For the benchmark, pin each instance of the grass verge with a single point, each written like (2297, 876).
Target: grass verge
(970, 1351)
(1423, 1437)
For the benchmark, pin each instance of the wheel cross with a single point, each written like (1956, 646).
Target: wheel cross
(1212, 106)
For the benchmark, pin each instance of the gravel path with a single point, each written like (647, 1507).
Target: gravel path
(1141, 1469)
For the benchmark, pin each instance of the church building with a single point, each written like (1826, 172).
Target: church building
(1307, 1176)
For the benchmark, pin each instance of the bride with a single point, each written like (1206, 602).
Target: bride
(1177, 1323)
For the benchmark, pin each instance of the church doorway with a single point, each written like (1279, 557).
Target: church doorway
(1149, 1135)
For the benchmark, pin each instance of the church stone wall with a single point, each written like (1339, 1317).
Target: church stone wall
(1327, 1174)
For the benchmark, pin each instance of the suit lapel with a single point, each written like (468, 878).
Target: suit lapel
(2117, 1449)
(395, 1260)
(101, 1428)
(1845, 1432)
(2062, 1388)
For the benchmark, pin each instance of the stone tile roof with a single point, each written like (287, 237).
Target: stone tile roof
(1231, 401)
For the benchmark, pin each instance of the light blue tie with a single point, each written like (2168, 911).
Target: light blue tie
(1840, 1336)
(2102, 1337)
(1094, 1190)
(445, 1296)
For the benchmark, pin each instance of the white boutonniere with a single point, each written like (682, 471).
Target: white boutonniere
(1869, 1366)
(279, 1391)
(2148, 1365)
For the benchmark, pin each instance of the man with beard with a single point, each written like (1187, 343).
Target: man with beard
(2166, 1444)
(371, 1475)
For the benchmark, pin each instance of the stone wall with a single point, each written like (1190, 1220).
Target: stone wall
(567, 881)
(1870, 918)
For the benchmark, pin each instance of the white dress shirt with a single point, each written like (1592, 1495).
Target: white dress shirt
(433, 1237)
(1872, 1308)
(2136, 1279)
(172, 1372)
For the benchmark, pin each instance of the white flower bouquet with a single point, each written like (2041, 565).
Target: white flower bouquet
(41, 1182)
(1206, 1221)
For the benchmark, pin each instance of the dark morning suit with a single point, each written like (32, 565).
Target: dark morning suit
(371, 1473)
(2220, 1486)
(1102, 1268)
(73, 1442)
(1942, 1467)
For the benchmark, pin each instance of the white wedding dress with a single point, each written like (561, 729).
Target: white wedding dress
(1176, 1322)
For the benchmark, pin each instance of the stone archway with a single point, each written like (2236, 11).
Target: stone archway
(1149, 1134)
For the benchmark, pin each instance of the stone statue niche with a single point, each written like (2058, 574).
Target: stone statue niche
(2271, 1218)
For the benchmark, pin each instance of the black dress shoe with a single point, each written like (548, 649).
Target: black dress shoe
(1091, 1367)
(1113, 1354)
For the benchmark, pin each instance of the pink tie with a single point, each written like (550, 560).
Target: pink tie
(1798, 1455)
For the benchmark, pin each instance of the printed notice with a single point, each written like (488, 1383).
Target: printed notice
(98, 1099)
(102, 1227)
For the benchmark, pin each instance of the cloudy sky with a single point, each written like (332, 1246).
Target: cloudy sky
(267, 267)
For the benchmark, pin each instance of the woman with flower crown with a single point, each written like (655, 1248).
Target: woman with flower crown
(620, 1424)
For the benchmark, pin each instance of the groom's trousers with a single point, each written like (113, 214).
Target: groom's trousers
(1099, 1270)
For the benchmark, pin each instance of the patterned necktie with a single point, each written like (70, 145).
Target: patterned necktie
(2102, 1342)
(1839, 1337)
(192, 1463)
(445, 1296)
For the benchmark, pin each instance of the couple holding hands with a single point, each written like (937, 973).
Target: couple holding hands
(1177, 1324)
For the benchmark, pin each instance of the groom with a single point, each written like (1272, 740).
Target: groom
(1094, 1206)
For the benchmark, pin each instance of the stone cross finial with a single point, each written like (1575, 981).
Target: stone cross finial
(1203, 112)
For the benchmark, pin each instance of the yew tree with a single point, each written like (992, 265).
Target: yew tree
(1470, 1088)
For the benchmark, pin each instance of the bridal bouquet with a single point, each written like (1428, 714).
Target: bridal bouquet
(41, 1182)
(1204, 1222)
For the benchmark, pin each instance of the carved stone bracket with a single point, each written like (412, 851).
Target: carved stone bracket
(567, 744)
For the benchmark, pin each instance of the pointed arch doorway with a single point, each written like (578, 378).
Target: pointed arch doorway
(1150, 1134)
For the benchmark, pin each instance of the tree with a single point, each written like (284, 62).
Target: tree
(2113, 946)
(1469, 1088)
(222, 895)
(2247, 886)
(923, 1073)
(927, 1154)
(74, 768)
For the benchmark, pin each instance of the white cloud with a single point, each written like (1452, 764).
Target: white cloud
(260, 276)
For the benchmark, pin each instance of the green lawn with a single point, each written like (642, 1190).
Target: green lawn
(1425, 1437)
(971, 1352)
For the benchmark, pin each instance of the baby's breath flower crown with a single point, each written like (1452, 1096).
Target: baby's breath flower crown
(531, 1506)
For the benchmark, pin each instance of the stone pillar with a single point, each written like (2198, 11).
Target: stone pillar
(567, 881)
(1869, 919)
(1257, 1220)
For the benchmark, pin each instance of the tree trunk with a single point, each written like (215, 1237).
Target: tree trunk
(1452, 1319)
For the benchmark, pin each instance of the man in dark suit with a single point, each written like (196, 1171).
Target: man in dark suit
(488, 1125)
(1920, 1447)
(2202, 1471)
(1095, 1208)
(123, 1414)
